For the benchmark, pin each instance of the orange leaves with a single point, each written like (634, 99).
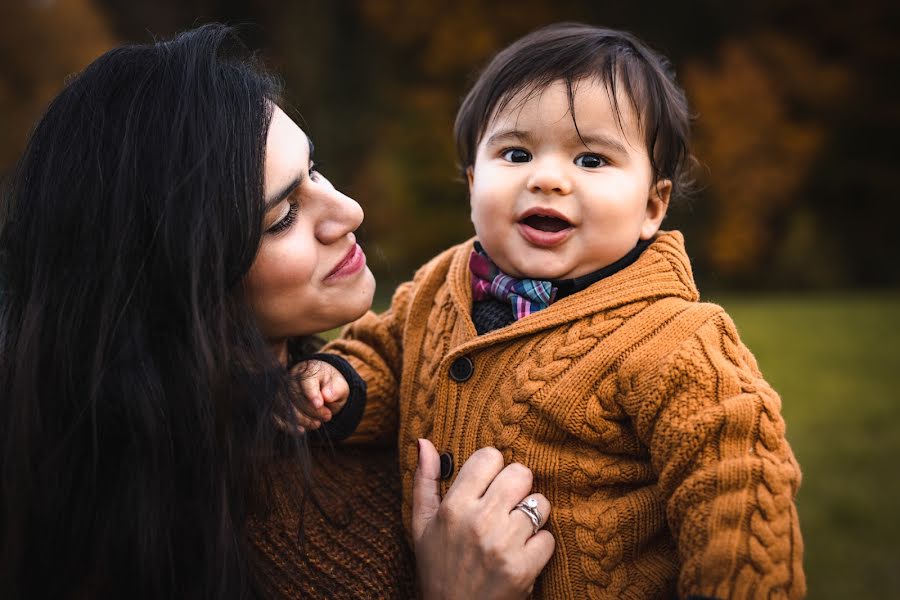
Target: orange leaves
(757, 138)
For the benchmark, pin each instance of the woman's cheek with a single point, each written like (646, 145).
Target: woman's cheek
(282, 274)
(293, 267)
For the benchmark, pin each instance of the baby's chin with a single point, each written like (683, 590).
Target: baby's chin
(542, 274)
(520, 269)
(550, 272)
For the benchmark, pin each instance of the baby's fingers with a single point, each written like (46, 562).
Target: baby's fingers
(307, 423)
(311, 387)
(337, 394)
(300, 425)
(314, 396)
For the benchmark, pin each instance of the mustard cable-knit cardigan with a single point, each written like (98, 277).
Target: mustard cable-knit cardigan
(645, 420)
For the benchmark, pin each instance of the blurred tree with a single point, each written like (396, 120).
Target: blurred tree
(797, 104)
(852, 193)
(41, 43)
(756, 141)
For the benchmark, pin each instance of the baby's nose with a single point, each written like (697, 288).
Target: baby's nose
(548, 177)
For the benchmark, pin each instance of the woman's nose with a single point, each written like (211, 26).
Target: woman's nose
(549, 177)
(341, 215)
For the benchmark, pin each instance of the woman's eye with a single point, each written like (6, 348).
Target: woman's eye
(516, 155)
(287, 220)
(590, 161)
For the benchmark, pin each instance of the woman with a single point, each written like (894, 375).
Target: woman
(165, 237)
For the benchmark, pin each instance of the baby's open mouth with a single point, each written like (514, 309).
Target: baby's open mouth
(545, 223)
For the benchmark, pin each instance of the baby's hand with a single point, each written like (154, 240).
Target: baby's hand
(324, 392)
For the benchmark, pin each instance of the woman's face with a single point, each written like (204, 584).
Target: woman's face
(309, 275)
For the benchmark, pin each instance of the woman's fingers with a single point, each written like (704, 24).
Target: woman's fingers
(509, 486)
(476, 475)
(474, 538)
(538, 550)
(529, 514)
(426, 491)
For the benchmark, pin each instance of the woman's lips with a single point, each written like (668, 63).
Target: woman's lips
(351, 264)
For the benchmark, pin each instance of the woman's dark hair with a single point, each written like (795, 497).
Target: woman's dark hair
(571, 52)
(139, 398)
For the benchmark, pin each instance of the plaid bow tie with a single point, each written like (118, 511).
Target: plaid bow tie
(524, 295)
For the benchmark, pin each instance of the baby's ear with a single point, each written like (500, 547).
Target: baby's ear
(657, 205)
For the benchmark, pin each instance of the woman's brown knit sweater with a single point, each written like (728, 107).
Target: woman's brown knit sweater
(646, 423)
(334, 533)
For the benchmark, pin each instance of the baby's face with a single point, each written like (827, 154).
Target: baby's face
(544, 205)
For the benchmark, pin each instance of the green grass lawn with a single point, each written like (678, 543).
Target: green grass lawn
(835, 360)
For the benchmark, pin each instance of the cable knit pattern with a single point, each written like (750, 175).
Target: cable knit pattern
(350, 546)
(645, 421)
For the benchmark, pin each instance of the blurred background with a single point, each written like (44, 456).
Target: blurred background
(793, 227)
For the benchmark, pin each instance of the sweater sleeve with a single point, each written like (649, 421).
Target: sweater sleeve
(373, 345)
(725, 470)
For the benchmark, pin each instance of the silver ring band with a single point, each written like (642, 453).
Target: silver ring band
(529, 507)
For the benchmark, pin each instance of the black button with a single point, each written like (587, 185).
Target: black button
(461, 369)
(446, 465)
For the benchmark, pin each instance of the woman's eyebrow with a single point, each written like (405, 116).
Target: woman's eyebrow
(284, 193)
(293, 185)
(289, 188)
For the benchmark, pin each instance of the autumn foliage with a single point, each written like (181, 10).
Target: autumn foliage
(795, 108)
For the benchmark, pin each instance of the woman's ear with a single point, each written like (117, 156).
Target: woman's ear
(657, 205)
(470, 176)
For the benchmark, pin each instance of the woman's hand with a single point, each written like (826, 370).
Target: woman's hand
(475, 544)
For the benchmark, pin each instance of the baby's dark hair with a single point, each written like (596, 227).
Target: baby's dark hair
(571, 52)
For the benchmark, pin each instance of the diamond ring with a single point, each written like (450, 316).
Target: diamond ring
(529, 507)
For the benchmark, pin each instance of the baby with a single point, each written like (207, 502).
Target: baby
(569, 335)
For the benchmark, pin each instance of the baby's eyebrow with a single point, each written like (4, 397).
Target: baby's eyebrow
(603, 141)
(508, 135)
(590, 140)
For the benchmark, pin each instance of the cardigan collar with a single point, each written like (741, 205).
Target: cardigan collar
(663, 269)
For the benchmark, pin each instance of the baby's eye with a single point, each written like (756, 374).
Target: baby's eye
(590, 161)
(516, 155)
